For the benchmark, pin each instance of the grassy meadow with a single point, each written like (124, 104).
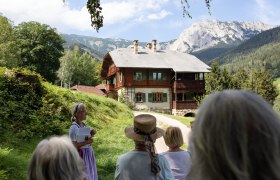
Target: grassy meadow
(52, 117)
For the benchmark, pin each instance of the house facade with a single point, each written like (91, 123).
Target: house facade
(157, 80)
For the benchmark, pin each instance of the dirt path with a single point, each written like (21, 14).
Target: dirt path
(163, 122)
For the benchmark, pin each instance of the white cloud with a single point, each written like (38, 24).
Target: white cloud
(52, 12)
(66, 19)
(117, 11)
(162, 14)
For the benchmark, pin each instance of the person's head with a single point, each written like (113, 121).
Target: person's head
(144, 124)
(236, 135)
(173, 137)
(144, 132)
(79, 112)
(56, 158)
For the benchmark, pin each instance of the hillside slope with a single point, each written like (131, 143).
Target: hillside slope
(33, 109)
(261, 50)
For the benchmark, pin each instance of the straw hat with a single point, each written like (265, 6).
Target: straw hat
(146, 124)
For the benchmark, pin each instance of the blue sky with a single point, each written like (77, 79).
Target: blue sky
(137, 19)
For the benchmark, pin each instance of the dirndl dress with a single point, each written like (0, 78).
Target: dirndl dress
(86, 152)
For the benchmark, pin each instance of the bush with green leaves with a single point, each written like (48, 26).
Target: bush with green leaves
(24, 112)
(33, 109)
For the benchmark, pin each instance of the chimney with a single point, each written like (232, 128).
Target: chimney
(135, 45)
(154, 45)
(149, 46)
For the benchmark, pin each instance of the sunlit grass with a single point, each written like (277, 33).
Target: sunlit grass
(185, 120)
(108, 116)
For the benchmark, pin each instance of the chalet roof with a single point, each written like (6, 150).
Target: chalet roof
(88, 89)
(146, 58)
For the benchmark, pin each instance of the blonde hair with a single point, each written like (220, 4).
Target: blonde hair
(56, 158)
(236, 136)
(173, 137)
(78, 107)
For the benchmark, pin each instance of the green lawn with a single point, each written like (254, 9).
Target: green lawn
(184, 120)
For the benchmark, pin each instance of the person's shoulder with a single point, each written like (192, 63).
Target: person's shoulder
(162, 156)
(129, 156)
(74, 125)
(129, 153)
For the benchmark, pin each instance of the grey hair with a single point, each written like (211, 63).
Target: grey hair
(77, 108)
(56, 158)
(236, 136)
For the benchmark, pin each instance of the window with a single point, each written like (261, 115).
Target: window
(157, 97)
(185, 96)
(114, 80)
(140, 97)
(179, 76)
(180, 96)
(188, 96)
(199, 76)
(157, 76)
(121, 76)
(138, 76)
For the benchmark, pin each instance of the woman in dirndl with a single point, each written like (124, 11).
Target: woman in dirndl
(84, 148)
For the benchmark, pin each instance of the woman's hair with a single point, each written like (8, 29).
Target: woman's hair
(173, 137)
(78, 107)
(56, 158)
(236, 136)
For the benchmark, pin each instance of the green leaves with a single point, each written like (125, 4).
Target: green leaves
(96, 17)
(186, 6)
(258, 80)
(77, 68)
(40, 48)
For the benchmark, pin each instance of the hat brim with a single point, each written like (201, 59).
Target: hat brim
(129, 132)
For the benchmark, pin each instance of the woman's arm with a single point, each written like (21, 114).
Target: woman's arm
(78, 145)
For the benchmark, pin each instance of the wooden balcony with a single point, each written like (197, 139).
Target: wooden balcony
(110, 87)
(184, 105)
(190, 85)
(112, 71)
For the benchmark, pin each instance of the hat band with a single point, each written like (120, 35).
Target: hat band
(138, 131)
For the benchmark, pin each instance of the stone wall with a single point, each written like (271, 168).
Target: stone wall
(183, 112)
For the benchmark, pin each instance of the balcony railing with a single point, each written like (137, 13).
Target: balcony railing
(110, 87)
(189, 84)
(184, 105)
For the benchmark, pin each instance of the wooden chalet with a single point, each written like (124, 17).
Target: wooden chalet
(157, 80)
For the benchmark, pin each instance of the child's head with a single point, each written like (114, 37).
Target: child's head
(173, 137)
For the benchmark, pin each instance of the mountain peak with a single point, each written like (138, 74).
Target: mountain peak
(208, 33)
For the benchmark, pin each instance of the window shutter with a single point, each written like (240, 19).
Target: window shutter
(150, 97)
(144, 97)
(164, 97)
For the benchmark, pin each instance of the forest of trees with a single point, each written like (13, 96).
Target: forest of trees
(258, 80)
(38, 47)
(267, 56)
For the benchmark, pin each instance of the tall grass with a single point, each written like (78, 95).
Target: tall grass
(108, 116)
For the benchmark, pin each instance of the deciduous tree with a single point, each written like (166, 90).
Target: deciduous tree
(8, 45)
(40, 48)
(77, 68)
